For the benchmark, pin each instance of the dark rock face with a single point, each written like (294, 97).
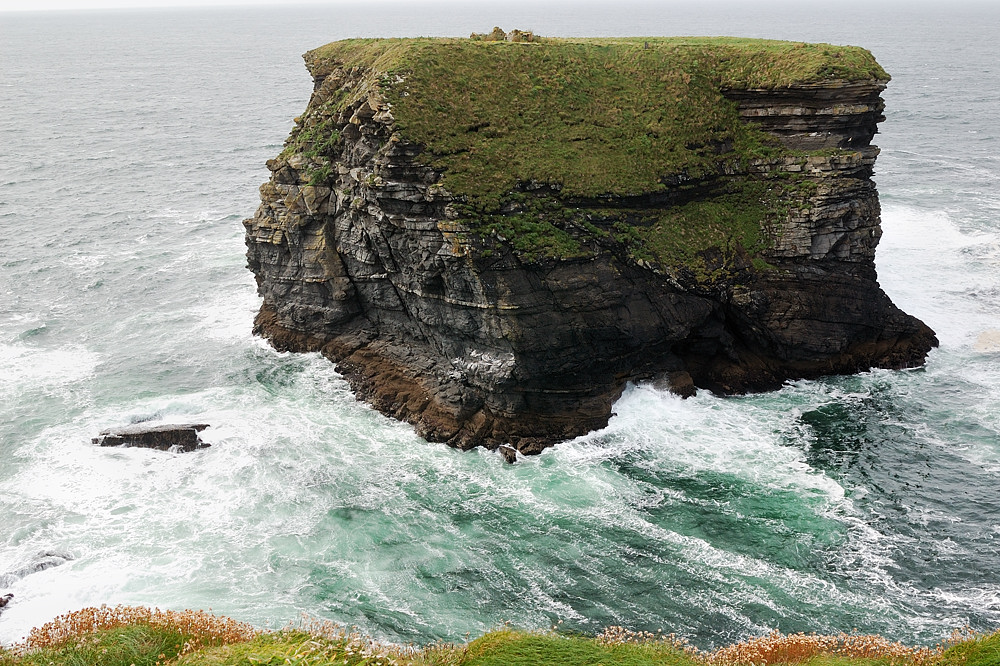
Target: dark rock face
(178, 437)
(815, 116)
(370, 268)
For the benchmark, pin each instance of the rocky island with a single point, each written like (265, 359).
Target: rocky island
(491, 236)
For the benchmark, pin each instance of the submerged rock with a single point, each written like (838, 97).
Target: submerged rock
(492, 249)
(40, 562)
(177, 437)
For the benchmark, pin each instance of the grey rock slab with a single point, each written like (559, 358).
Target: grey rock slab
(172, 436)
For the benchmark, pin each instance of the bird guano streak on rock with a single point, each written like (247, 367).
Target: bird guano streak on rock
(517, 314)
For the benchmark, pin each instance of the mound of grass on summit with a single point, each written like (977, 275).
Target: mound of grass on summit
(591, 117)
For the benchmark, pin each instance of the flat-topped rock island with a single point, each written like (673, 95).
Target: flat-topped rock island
(491, 236)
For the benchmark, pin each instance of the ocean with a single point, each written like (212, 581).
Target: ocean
(132, 144)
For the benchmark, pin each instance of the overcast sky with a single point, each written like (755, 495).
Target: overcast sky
(37, 5)
(48, 5)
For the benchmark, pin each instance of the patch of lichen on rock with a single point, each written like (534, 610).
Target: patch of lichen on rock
(589, 119)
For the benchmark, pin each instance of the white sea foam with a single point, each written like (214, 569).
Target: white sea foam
(229, 316)
(25, 367)
(704, 434)
(947, 277)
(44, 595)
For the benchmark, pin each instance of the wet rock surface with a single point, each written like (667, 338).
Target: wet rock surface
(509, 453)
(176, 437)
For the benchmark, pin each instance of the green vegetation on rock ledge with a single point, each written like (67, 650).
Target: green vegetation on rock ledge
(586, 120)
(591, 116)
(705, 235)
(136, 636)
(584, 123)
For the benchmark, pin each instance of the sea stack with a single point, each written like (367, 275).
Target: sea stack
(491, 236)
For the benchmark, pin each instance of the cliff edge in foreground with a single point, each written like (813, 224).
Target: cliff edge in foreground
(490, 238)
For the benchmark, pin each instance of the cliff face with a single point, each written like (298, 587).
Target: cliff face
(520, 318)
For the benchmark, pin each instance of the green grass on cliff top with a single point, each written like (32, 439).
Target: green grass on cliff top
(591, 117)
(144, 645)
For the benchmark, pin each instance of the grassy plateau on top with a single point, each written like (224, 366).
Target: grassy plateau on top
(543, 142)
(593, 116)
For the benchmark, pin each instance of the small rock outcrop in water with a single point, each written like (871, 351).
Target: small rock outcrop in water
(40, 562)
(491, 238)
(177, 437)
(509, 453)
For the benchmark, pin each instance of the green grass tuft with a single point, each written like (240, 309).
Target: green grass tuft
(974, 651)
(836, 660)
(190, 638)
(289, 647)
(517, 648)
(140, 645)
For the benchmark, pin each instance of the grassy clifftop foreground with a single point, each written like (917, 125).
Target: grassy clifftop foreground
(135, 636)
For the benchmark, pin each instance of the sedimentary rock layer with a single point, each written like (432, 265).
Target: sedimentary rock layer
(520, 320)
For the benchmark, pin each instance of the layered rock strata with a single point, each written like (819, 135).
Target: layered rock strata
(361, 252)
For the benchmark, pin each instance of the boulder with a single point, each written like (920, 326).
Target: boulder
(168, 437)
(509, 453)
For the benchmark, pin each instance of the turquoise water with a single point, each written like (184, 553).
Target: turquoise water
(132, 145)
